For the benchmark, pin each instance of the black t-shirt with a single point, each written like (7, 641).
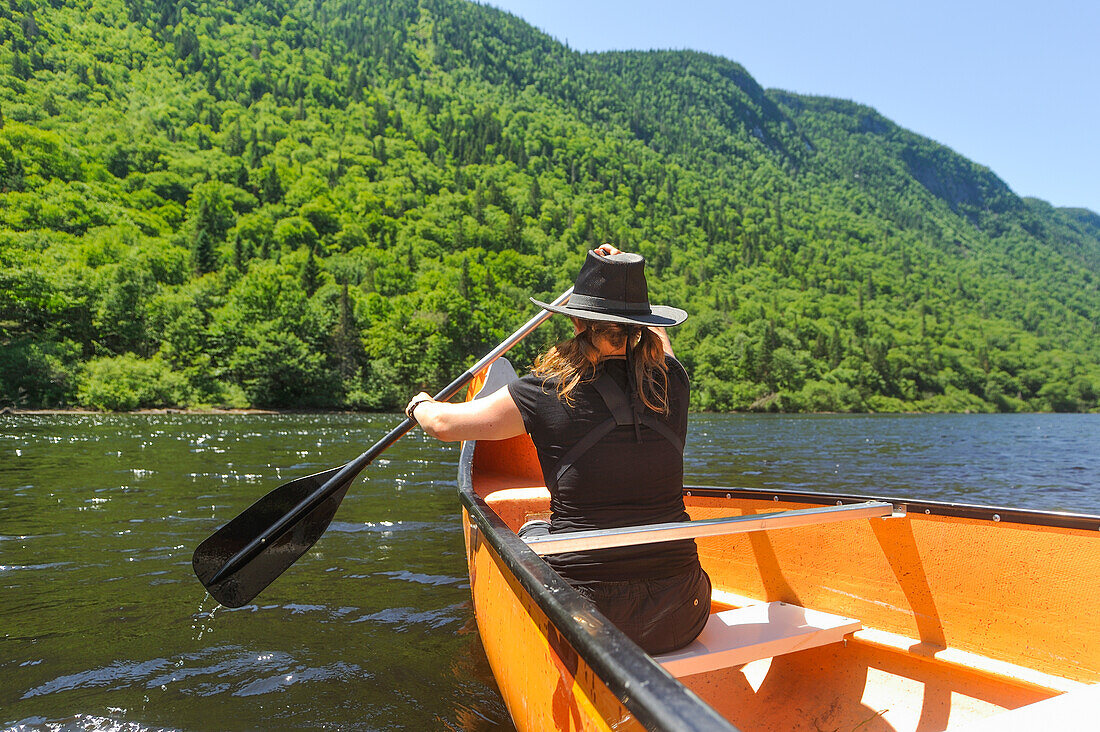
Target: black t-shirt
(617, 482)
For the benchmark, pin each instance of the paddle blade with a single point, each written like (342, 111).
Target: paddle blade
(248, 580)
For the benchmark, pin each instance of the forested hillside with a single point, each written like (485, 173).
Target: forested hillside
(333, 203)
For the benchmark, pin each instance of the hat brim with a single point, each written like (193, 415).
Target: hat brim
(661, 316)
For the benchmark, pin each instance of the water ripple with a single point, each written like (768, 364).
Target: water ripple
(424, 579)
(17, 567)
(387, 528)
(250, 674)
(82, 723)
(338, 670)
(404, 618)
(118, 675)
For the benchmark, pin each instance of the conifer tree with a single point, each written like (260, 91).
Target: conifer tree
(202, 248)
(272, 187)
(347, 346)
(311, 274)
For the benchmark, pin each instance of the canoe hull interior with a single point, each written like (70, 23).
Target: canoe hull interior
(1012, 592)
(966, 613)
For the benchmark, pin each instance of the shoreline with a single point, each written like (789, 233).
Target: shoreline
(9, 411)
(163, 410)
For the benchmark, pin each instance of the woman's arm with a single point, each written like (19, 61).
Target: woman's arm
(496, 417)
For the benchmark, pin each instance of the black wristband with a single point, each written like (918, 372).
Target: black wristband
(411, 409)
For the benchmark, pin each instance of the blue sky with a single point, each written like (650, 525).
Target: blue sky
(1013, 86)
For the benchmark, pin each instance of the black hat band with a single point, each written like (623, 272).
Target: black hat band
(604, 305)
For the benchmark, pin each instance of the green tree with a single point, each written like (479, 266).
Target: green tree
(210, 215)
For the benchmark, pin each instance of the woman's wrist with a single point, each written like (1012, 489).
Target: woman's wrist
(410, 411)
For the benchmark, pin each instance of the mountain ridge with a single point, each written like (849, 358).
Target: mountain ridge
(276, 203)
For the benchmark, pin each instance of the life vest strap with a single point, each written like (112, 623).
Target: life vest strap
(618, 403)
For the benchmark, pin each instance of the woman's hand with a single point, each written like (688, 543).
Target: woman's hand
(607, 250)
(410, 408)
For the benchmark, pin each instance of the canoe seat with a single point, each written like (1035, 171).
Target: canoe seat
(738, 636)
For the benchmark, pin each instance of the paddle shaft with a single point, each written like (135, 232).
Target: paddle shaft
(347, 473)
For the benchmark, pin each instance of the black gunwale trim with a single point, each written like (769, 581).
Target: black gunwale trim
(931, 508)
(655, 698)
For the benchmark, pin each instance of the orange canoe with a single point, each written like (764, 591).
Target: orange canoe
(829, 612)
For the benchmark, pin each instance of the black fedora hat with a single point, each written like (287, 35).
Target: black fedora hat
(613, 288)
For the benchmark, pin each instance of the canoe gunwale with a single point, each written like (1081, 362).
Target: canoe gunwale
(651, 694)
(1053, 519)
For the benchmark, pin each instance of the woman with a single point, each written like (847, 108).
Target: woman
(607, 412)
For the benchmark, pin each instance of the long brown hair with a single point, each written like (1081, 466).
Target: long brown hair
(574, 361)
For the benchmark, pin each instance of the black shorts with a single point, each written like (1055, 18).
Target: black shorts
(660, 615)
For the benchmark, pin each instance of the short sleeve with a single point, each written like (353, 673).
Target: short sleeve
(527, 392)
(677, 371)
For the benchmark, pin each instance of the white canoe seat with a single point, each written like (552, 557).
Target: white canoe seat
(735, 637)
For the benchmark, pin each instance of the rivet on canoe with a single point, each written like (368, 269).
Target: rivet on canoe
(840, 503)
(928, 511)
(996, 517)
(729, 495)
(775, 498)
(687, 493)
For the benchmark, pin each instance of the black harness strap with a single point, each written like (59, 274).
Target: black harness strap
(622, 413)
(618, 403)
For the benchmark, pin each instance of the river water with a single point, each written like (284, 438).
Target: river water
(104, 627)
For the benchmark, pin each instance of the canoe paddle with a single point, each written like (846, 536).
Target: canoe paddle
(247, 554)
